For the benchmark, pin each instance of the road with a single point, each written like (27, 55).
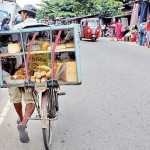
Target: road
(109, 111)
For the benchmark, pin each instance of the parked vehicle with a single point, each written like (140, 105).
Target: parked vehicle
(9, 9)
(90, 29)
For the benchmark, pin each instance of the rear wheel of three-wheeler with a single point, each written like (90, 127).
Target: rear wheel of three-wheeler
(93, 39)
(51, 113)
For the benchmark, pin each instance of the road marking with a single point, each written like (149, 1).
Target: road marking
(4, 112)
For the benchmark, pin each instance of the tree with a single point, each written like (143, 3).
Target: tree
(71, 8)
(109, 7)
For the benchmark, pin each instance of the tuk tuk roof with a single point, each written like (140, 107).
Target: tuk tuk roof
(91, 19)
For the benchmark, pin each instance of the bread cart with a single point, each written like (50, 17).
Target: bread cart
(46, 63)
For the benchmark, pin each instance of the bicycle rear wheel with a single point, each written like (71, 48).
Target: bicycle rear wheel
(50, 107)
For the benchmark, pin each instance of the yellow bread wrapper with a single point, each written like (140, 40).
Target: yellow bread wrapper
(44, 68)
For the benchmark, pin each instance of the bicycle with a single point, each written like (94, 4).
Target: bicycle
(47, 110)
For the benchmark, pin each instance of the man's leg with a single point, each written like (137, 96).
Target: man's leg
(18, 108)
(29, 109)
(141, 36)
(143, 39)
(28, 112)
(16, 98)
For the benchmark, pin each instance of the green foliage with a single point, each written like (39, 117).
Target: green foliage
(71, 8)
(109, 7)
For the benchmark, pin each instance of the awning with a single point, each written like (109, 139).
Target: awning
(120, 16)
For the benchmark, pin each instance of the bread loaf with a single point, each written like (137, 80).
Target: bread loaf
(45, 46)
(33, 78)
(48, 74)
(70, 44)
(44, 79)
(43, 73)
(69, 73)
(61, 46)
(37, 75)
(38, 80)
(57, 67)
(14, 48)
(44, 68)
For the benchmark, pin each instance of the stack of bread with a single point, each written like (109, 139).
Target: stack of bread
(42, 75)
(20, 74)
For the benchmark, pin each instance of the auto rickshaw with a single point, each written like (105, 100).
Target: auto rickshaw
(90, 29)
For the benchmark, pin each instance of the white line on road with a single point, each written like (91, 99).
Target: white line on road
(4, 112)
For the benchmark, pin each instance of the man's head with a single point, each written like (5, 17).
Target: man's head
(28, 11)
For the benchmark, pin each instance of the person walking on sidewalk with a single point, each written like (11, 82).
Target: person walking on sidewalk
(28, 14)
(148, 31)
(142, 33)
(119, 30)
(103, 29)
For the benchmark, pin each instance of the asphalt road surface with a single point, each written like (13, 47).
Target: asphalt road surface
(109, 111)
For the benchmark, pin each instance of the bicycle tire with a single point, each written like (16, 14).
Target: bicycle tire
(51, 112)
(47, 140)
(56, 101)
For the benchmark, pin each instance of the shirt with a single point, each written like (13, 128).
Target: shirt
(142, 26)
(113, 25)
(26, 23)
(103, 27)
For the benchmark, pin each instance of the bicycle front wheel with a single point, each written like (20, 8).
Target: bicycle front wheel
(47, 135)
(49, 112)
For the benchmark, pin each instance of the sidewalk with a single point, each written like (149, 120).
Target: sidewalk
(125, 42)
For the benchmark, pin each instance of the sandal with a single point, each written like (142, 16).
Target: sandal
(24, 138)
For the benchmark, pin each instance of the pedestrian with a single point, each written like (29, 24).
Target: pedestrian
(148, 31)
(103, 29)
(143, 32)
(28, 14)
(113, 27)
(119, 30)
(5, 24)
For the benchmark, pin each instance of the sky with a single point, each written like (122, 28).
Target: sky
(23, 2)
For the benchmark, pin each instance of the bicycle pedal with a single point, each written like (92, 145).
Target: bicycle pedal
(61, 93)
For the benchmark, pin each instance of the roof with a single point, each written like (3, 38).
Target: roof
(87, 16)
(90, 19)
(120, 16)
